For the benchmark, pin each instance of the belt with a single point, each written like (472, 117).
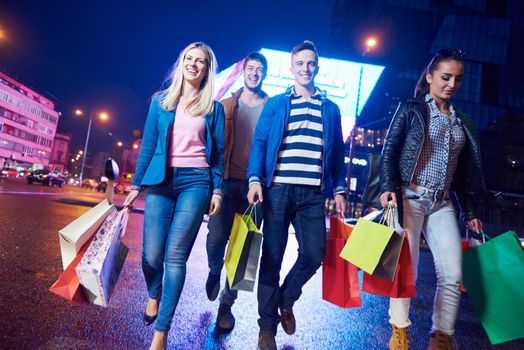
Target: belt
(436, 194)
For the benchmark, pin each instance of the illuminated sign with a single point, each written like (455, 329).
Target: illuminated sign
(361, 162)
(340, 79)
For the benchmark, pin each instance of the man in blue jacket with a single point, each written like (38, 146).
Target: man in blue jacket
(297, 145)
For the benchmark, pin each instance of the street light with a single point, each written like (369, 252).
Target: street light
(119, 143)
(370, 43)
(102, 116)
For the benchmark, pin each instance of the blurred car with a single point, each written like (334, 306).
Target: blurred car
(9, 172)
(89, 184)
(102, 186)
(46, 178)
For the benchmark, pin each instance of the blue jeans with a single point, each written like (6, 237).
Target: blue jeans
(433, 213)
(172, 216)
(234, 201)
(304, 207)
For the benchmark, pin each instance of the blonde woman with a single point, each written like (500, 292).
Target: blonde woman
(181, 164)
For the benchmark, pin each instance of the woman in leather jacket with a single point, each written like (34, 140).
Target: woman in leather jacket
(432, 148)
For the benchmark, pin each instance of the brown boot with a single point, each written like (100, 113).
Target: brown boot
(399, 338)
(266, 341)
(288, 320)
(441, 341)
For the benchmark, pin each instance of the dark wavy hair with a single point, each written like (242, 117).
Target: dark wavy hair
(255, 56)
(422, 87)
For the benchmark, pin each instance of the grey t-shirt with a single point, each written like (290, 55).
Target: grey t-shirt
(246, 122)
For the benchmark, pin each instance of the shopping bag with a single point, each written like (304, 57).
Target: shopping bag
(338, 228)
(403, 284)
(68, 285)
(493, 274)
(469, 242)
(374, 247)
(340, 284)
(243, 252)
(73, 236)
(100, 266)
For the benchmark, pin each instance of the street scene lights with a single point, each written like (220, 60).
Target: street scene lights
(102, 116)
(370, 44)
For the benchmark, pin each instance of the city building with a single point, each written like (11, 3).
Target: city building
(409, 32)
(126, 157)
(60, 151)
(28, 123)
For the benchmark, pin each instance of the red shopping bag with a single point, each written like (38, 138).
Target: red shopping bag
(467, 243)
(68, 285)
(403, 284)
(338, 228)
(340, 284)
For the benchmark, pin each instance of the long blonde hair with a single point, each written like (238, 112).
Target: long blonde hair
(203, 104)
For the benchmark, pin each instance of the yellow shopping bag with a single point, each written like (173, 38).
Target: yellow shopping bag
(374, 248)
(243, 252)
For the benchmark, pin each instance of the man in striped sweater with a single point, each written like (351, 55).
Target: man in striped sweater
(297, 145)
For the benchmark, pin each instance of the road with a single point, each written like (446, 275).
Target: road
(33, 318)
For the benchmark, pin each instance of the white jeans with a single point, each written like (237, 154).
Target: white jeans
(433, 212)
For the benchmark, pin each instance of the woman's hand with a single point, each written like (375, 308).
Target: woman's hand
(386, 196)
(215, 204)
(131, 198)
(475, 225)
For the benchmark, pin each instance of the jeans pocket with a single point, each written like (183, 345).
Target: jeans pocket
(408, 193)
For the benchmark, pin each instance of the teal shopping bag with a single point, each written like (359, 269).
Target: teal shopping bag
(493, 274)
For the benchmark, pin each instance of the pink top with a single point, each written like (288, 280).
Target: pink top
(187, 148)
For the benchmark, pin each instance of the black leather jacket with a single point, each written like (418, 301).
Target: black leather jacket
(402, 149)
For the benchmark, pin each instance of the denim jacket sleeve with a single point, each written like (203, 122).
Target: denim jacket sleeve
(257, 157)
(217, 152)
(149, 141)
(338, 170)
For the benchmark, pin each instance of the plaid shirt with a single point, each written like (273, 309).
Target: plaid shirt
(439, 156)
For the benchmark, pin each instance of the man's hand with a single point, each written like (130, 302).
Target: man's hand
(215, 204)
(254, 196)
(386, 196)
(340, 205)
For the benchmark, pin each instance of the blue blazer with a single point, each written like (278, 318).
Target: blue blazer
(152, 160)
(270, 131)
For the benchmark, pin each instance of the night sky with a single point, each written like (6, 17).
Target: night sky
(112, 55)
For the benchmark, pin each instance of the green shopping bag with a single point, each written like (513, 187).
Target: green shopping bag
(374, 248)
(243, 252)
(493, 274)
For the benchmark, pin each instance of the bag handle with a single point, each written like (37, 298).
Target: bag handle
(249, 211)
(387, 216)
(124, 217)
(482, 234)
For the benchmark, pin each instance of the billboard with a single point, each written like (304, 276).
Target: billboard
(339, 78)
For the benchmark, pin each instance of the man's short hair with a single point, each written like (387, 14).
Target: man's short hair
(255, 56)
(306, 45)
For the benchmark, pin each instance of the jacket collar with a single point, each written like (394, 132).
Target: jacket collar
(236, 94)
(291, 92)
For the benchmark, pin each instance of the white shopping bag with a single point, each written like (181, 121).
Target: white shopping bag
(73, 236)
(100, 266)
